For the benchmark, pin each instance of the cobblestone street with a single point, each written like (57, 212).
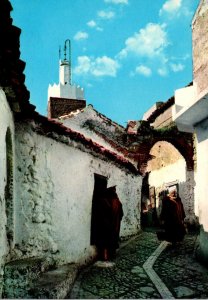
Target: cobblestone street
(146, 268)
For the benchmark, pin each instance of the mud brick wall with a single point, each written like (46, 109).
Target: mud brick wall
(200, 48)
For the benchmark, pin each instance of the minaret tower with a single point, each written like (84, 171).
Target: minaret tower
(65, 65)
(64, 97)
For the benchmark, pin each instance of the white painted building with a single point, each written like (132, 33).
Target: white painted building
(191, 115)
(55, 187)
(7, 186)
(97, 127)
(48, 176)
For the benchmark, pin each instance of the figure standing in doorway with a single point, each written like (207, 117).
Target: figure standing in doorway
(117, 214)
(172, 216)
(109, 218)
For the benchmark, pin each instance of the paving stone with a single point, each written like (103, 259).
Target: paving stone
(147, 289)
(183, 291)
(137, 269)
(126, 278)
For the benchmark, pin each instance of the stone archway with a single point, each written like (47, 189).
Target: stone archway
(141, 143)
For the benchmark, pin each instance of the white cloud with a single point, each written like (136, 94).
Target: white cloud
(99, 28)
(162, 71)
(98, 67)
(171, 6)
(144, 70)
(183, 57)
(83, 65)
(117, 1)
(149, 41)
(106, 14)
(81, 35)
(177, 67)
(91, 23)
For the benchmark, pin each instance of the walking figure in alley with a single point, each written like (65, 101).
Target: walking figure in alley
(110, 214)
(172, 217)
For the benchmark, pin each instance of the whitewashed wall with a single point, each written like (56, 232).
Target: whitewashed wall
(176, 172)
(202, 174)
(55, 189)
(6, 121)
(201, 203)
(66, 91)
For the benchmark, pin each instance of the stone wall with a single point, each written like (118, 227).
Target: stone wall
(165, 154)
(200, 46)
(54, 196)
(164, 119)
(61, 106)
(6, 181)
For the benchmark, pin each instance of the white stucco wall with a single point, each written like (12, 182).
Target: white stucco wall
(176, 172)
(66, 91)
(55, 189)
(202, 174)
(6, 121)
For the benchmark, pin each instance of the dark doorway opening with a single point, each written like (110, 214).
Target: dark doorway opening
(99, 187)
(149, 216)
(9, 188)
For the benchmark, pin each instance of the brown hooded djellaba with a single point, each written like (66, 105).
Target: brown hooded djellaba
(173, 217)
(109, 215)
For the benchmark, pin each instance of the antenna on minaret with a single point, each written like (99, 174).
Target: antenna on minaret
(59, 52)
(65, 47)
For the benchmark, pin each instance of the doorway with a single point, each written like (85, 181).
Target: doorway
(9, 188)
(100, 184)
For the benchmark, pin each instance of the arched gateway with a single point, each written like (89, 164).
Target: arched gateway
(140, 144)
(142, 141)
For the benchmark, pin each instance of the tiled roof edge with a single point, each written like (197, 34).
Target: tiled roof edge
(104, 117)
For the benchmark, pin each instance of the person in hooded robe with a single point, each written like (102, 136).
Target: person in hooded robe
(117, 215)
(172, 216)
(109, 214)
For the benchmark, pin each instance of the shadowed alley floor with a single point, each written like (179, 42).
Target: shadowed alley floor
(146, 268)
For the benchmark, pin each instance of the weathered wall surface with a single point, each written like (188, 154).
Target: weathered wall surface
(200, 74)
(164, 119)
(6, 126)
(93, 126)
(55, 189)
(200, 47)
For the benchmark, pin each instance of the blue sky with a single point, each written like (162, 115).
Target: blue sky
(126, 54)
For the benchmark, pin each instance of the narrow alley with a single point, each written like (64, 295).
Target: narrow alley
(146, 268)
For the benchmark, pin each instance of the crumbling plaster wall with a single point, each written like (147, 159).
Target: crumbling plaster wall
(6, 121)
(164, 119)
(55, 183)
